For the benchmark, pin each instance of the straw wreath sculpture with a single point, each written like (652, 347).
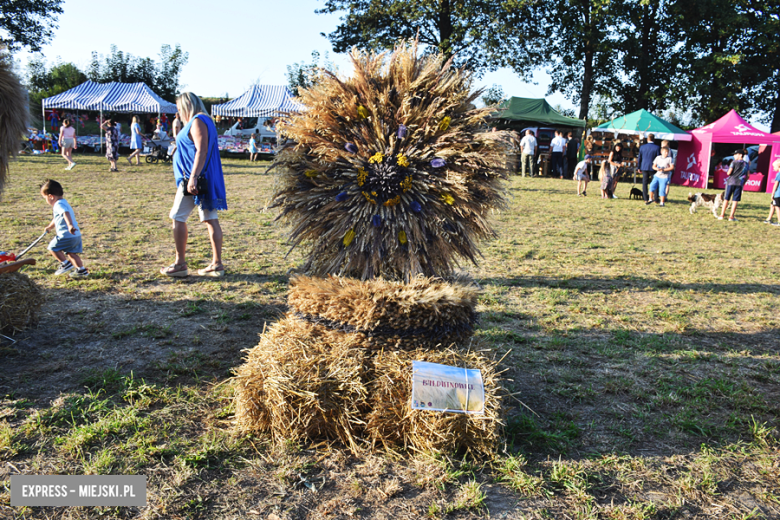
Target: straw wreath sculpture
(390, 172)
(388, 179)
(13, 117)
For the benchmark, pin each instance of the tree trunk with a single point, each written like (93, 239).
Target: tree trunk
(445, 29)
(648, 20)
(587, 66)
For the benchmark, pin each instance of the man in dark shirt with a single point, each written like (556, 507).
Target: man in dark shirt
(647, 154)
(570, 158)
(737, 175)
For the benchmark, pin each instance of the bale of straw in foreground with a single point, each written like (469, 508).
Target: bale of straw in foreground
(20, 300)
(299, 384)
(393, 423)
(425, 313)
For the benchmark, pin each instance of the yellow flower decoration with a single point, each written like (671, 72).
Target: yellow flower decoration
(406, 184)
(447, 198)
(445, 123)
(402, 160)
(311, 173)
(362, 112)
(402, 237)
(392, 202)
(376, 158)
(368, 197)
(361, 177)
(349, 237)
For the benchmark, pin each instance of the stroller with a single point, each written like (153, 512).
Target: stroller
(158, 151)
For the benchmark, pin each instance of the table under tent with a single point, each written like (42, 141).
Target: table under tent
(629, 131)
(259, 107)
(539, 116)
(109, 97)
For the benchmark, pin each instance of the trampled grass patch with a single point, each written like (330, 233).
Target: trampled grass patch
(641, 341)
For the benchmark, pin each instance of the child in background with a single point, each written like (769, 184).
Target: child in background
(774, 207)
(68, 239)
(253, 151)
(581, 174)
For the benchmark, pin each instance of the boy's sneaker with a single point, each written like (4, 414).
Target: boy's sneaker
(731, 219)
(662, 204)
(767, 221)
(775, 223)
(584, 193)
(81, 272)
(647, 203)
(64, 267)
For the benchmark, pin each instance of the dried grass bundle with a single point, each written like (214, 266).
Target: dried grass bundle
(391, 172)
(13, 116)
(393, 423)
(427, 312)
(299, 384)
(20, 300)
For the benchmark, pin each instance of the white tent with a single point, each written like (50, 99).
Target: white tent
(260, 101)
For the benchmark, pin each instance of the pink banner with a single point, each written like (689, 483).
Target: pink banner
(755, 182)
(693, 162)
(720, 178)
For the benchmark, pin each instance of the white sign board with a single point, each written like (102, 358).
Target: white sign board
(443, 388)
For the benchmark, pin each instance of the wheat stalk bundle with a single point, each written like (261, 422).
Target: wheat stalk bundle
(20, 300)
(13, 116)
(391, 172)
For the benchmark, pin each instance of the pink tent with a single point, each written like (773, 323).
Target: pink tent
(693, 157)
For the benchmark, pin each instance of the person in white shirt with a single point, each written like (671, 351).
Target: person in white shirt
(581, 174)
(528, 150)
(556, 157)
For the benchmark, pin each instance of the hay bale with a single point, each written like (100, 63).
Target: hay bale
(392, 422)
(427, 312)
(299, 383)
(20, 300)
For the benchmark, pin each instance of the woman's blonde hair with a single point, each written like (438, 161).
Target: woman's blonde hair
(135, 119)
(190, 105)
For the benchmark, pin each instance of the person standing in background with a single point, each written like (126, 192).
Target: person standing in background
(572, 151)
(647, 154)
(67, 142)
(136, 143)
(556, 157)
(112, 143)
(527, 153)
(177, 126)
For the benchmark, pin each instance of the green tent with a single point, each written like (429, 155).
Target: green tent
(642, 123)
(533, 111)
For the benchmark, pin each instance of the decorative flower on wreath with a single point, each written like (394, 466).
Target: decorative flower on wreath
(391, 172)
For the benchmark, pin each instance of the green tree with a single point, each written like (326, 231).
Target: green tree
(43, 82)
(493, 96)
(28, 23)
(303, 75)
(453, 27)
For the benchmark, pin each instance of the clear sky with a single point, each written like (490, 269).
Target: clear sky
(231, 45)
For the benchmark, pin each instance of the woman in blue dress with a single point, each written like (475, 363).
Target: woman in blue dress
(197, 155)
(136, 143)
(253, 151)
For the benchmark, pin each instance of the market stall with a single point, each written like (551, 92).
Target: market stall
(694, 165)
(629, 130)
(109, 97)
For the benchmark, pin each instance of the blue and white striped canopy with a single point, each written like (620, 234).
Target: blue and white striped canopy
(111, 97)
(260, 101)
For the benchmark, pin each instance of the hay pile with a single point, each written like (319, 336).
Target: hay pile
(425, 313)
(390, 172)
(13, 117)
(306, 383)
(20, 300)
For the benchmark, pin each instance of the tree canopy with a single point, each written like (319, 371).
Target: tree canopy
(28, 23)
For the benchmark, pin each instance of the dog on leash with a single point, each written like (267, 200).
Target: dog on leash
(707, 200)
(636, 193)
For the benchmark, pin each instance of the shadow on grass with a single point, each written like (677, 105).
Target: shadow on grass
(618, 283)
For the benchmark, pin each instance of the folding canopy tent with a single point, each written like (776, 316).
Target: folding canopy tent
(642, 123)
(693, 158)
(260, 101)
(517, 111)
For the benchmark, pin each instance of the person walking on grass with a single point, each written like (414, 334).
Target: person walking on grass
(736, 177)
(136, 143)
(66, 246)
(663, 167)
(67, 142)
(774, 206)
(581, 174)
(112, 143)
(527, 153)
(253, 151)
(197, 155)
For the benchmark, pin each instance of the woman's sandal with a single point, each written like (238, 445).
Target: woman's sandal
(175, 271)
(213, 270)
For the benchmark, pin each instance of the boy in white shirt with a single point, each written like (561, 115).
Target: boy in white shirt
(663, 167)
(66, 246)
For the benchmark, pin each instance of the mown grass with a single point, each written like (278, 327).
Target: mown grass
(643, 342)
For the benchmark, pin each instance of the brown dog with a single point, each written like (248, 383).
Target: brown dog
(705, 199)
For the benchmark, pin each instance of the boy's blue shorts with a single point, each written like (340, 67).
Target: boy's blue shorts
(67, 244)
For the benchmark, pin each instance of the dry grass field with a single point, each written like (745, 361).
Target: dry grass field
(644, 341)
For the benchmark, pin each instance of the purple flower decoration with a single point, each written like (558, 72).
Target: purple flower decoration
(351, 148)
(401, 131)
(376, 220)
(438, 163)
(415, 206)
(341, 197)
